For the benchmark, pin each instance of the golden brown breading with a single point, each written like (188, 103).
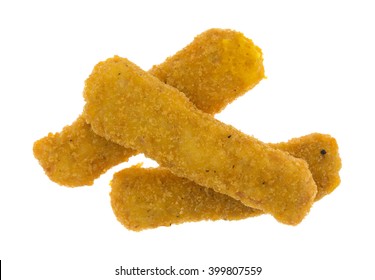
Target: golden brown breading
(149, 198)
(77, 156)
(321, 152)
(222, 65)
(133, 108)
(218, 66)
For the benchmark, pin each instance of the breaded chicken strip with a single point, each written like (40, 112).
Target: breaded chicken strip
(76, 155)
(321, 153)
(149, 198)
(133, 108)
(217, 67)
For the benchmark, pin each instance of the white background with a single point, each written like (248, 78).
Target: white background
(319, 60)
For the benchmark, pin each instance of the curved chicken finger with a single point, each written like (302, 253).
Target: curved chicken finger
(149, 198)
(126, 105)
(212, 71)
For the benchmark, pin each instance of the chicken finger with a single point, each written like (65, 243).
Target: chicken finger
(133, 108)
(148, 198)
(217, 67)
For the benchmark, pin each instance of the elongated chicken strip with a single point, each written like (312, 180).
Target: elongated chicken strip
(76, 155)
(216, 68)
(128, 106)
(149, 198)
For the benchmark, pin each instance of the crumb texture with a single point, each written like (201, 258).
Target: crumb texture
(134, 109)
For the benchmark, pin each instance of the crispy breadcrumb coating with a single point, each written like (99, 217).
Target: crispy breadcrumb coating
(222, 65)
(149, 198)
(133, 108)
(77, 156)
(321, 152)
(68, 157)
(216, 68)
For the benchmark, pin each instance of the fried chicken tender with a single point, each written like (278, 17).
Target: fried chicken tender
(76, 156)
(222, 65)
(321, 153)
(133, 108)
(149, 198)
(213, 70)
